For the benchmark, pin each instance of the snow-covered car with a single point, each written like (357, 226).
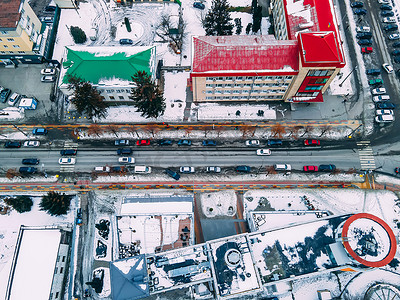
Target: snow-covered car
(126, 160)
(213, 169)
(252, 143)
(186, 169)
(263, 152)
(31, 144)
(394, 36)
(380, 112)
(384, 119)
(388, 68)
(67, 161)
(379, 91)
(48, 78)
(48, 71)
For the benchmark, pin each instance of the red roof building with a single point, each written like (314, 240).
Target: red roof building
(297, 64)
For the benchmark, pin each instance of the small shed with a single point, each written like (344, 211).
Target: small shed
(28, 103)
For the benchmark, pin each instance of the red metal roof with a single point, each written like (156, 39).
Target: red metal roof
(9, 13)
(247, 53)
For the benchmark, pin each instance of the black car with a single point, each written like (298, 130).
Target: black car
(356, 4)
(199, 5)
(209, 143)
(385, 105)
(390, 27)
(165, 142)
(243, 169)
(360, 11)
(365, 42)
(387, 13)
(121, 151)
(274, 142)
(125, 41)
(396, 59)
(67, 152)
(396, 44)
(30, 161)
(373, 72)
(327, 168)
(4, 95)
(396, 52)
(364, 35)
(12, 145)
(386, 7)
(27, 170)
(172, 174)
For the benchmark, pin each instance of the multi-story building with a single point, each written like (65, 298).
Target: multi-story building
(22, 38)
(295, 65)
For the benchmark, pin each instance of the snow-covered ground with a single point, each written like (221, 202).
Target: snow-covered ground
(218, 203)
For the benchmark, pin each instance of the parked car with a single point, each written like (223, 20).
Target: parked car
(199, 5)
(4, 95)
(395, 52)
(385, 105)
(396, 45)
(396, 59)
(172, 174)
(213, 169)
(67, 152)
(274, 143)
(31, 144)
(243, 169)
(386, 7)
(387, 13)
(186, 170)
(282, 167)
(126, 42)
(389, 20)
(117, 169)
(310, 168)
(263, 152)
(79, 221)
(27, 170)
(388, 68)
(48, 71)
(124, 151)
(39, 131)
(184, 142)
(209, 143)
(327, 168)
(252, 143)
(373, 72)
(378, 91)
(363, 29)
(381, 98)
(312, 142)
(364, 35)
(383, 1)
(394, 36)
(12, 145)
(375, 82)
(142, 142)
(380, 112)
(121, 143)
(48, 78)
(67, 161)
(366, 50)
(360, 11)
(30, 161)
(102, 169)
(390, 27)
(384, 119)
(126, 160)
(356, 4)
(13, 99)
(165, 142)
(364, 42)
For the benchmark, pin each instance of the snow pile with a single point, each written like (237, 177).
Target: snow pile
(99, 240)
(12, 113)
(218, 203)
(216, 111)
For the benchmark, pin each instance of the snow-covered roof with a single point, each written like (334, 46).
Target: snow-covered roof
(157, 205)
(244, 53)
(35, 263)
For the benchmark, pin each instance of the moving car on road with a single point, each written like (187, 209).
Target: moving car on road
(263, 152)
(67, 152)
(31, 144)
(126, 160)
(30, 161)
(67, 161)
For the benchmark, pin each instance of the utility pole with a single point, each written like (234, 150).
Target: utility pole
(340, 84)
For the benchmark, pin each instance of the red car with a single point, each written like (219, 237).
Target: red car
(310, 169)
(312, 142)
(366, 50)
(142, 142)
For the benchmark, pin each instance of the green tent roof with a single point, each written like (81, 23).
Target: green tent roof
(93, 66)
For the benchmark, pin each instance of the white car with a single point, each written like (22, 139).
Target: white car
(384, 119)
(186, 169)
(126, 160)
(67, 161)
(252, 143)
(380, 112)
(48, 71)
(263, 152)
(394, 36)
(31, 144)
(388, 68)
(13, 99)
(383, 1)
(379, 91)
(48, 78)
(389, 20)
(380, 98)
(213, 169)
(363, 29)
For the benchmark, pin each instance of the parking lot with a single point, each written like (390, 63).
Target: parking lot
(25, 80)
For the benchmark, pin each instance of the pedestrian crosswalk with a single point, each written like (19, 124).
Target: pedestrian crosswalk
(69, 168)
(366, 155)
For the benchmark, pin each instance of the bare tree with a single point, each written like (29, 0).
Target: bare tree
(270, 170)
(113, 129)
(278, 130)
(11, 173)
(94, 129)
(153, 129)
(295, 131)
(307, 129)
(218, 129)
(325, 129)
(247, 130)
(188, 130)
(170, 32)
(132, 129)
(206, 129)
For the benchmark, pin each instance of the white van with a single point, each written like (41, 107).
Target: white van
(380, 98)
(363, 29)
(102, 169)
(282, 167)
(142, 169)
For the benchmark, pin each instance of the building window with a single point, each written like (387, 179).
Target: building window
(4, 32)
(111, 97)
(11, 52)
(16, 46)
(63, 259)
(10, 39)
(3, 52)
(61, 270)
(239, 78)
(121, 97)
(56, 270)
(56, 295)
(21, 52)
(228, 78)
(5, 46)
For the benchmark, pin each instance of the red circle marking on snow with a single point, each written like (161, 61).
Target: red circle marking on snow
(375, 264)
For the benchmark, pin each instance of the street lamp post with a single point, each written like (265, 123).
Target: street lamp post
(340, 84)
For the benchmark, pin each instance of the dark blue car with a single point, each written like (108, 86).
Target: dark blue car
(27, 170)
(385, 105)
(327, 168)
(184, 143)
(199, 5)
(30, 161)
(165, 142)
(243, 169)
(274, 142)
(12, 145)
(172, 174)
(209, 143)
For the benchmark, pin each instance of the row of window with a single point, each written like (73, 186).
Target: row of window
(14, 46)
(8, 40)
(120, 97)
(303, 94)
(242, 85)
(110, 91)
(238, 78)
(11, 52)
(243, 98)
(244, 91)
(320, 72)
(314, 88)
